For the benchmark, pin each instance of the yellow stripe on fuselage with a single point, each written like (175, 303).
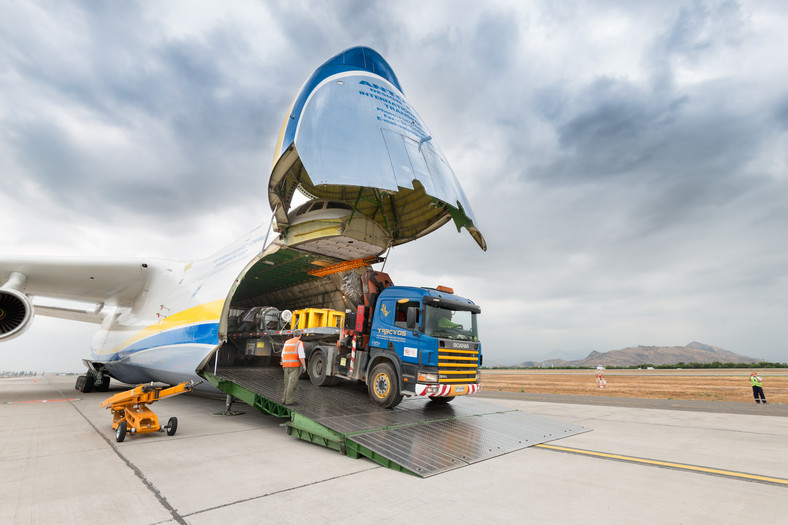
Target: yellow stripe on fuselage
(196, 314)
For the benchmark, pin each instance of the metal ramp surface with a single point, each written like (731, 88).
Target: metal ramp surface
(416, 436)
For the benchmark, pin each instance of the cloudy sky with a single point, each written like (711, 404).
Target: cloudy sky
(626, 161)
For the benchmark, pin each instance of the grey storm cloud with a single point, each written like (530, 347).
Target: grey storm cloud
(124, 81)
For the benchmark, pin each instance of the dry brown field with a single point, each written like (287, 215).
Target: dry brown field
(708, 385)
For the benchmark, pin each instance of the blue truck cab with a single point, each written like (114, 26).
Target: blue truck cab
(422, 342)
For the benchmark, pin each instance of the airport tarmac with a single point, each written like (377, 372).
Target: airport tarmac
(60, 464)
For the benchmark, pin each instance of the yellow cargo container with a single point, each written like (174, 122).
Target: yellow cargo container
(317, 318)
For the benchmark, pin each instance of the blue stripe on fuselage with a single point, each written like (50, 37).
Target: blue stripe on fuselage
(205, 333)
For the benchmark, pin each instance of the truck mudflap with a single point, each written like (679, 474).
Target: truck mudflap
(446, 390)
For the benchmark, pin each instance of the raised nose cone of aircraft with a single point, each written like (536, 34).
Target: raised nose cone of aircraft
(351, 136)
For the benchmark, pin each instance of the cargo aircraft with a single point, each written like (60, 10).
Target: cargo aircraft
(374, 177)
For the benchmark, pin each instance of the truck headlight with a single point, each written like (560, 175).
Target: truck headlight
(424, 377)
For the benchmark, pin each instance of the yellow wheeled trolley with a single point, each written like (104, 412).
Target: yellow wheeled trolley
(131, 413)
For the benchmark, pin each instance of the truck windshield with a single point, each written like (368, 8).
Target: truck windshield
(450, 324)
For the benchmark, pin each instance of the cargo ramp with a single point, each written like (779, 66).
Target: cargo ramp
(418, 437)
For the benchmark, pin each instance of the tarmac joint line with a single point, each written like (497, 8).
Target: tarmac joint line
(280, 491)
(137, 472)
(671, 465)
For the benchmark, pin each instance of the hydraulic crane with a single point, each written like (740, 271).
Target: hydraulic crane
(131, 413)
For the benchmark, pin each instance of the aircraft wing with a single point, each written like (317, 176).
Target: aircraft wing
(351, 135)
(115, 282)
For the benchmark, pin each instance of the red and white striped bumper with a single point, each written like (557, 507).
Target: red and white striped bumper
(446, 390)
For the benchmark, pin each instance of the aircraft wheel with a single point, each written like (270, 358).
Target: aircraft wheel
(120, 432)
(441, 400)
(383, 386)
(85, 383)
(172, 426)
(103, 387)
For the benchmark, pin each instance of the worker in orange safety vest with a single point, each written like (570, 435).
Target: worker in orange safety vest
(293, 361)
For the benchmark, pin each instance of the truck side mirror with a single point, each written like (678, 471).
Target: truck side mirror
(412, 321)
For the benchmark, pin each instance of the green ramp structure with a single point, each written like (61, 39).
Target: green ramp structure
(417, 436)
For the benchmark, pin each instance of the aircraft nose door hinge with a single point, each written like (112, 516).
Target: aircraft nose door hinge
(423, 140)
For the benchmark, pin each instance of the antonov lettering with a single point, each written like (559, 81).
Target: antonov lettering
(382, 89)
(405, 112)
(395, 109)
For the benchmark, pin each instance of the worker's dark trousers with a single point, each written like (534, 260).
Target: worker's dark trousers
(291, 382)
(756, 392)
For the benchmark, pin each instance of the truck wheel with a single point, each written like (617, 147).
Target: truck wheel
(383, 386)
(172, 426)
(318, 368)
(441, 400)
(120, 432)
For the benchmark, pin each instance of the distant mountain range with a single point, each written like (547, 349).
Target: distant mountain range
(656, 355)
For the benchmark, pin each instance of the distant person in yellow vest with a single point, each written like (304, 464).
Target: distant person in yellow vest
(757, 388)
(293, 361)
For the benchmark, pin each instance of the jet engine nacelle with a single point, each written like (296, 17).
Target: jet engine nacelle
(16, 313)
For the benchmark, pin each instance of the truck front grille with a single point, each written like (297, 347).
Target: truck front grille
(457, 366)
